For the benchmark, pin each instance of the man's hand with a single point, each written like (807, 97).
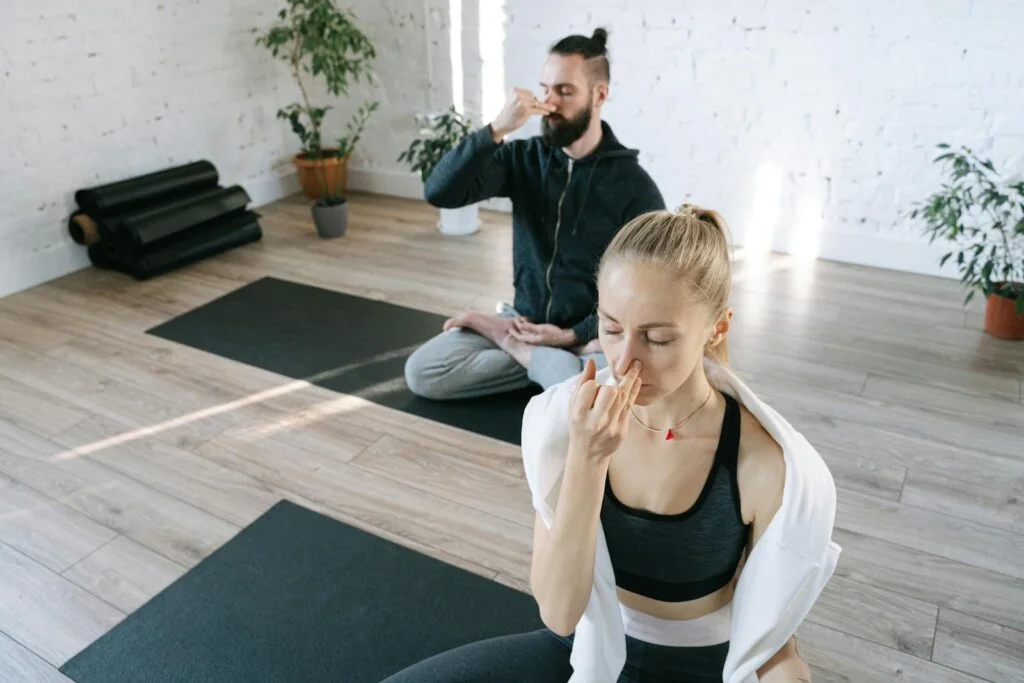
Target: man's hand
(521, 105)
(543, 334)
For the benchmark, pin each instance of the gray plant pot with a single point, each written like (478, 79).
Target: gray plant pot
(330, 220)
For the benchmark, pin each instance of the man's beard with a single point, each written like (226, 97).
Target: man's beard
(563, 132)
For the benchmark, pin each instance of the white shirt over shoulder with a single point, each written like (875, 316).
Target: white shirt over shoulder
(783, 575)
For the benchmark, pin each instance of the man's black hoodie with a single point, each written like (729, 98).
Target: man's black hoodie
(564, 214)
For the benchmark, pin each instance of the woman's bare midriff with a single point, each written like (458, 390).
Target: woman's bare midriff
(679, 611)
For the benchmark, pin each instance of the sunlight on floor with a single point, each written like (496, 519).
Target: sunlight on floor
(333, 407)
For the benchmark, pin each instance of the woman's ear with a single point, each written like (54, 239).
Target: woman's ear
(721, 327)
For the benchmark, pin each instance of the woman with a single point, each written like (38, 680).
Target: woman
(683, 527)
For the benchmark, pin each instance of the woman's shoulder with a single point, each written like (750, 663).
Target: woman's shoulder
(760, 469)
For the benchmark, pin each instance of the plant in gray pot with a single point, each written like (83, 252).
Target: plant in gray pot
(438, 133)
(330, 210)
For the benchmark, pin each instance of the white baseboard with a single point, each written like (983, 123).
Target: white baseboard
(269, 189)
(888, 252)
(19, 272)
(392, 183)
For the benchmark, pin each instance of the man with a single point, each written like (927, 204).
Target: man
(572, 188)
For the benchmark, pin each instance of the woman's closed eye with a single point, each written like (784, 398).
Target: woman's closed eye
(652, 341)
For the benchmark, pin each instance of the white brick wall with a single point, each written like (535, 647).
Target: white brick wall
(836, 106)
(95, 94)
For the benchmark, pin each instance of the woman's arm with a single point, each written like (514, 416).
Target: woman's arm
(562, 570)
(786, 666)
(761, 473)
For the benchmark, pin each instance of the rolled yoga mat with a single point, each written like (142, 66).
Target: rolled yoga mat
(160, 221)
(132, 192)
(220, 235)
(83, 229)
(299, 596)
(342, 342)
(144, 226)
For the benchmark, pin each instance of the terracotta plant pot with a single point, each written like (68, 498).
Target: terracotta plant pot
(313, 173)
(1002, 319)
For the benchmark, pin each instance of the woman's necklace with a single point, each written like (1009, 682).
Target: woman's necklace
(670, 435)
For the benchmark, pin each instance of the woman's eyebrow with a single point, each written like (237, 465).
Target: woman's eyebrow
(645, 326)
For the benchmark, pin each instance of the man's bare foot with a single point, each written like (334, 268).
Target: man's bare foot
(593, 346)
(493, 327)
(519, 350)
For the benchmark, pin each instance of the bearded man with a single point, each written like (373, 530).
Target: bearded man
(572, 188)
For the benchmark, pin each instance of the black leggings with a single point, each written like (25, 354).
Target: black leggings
(543, 657)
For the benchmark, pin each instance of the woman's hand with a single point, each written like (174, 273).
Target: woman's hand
(599, 414)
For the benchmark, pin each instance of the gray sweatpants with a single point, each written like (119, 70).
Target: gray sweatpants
(463, 364)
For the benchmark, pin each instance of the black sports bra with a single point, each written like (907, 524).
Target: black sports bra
(675, 558)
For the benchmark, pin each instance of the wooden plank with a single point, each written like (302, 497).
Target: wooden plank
(863, 475)
(964, 500)
(877, 615)
(90, 390)
(933, 532)
(837, 657)
(931, 578)
(124, 574)
(989, 651)
(842, 349)
(36, 410)
(179, 473)
(18, 664)
(45, 612)
(964, 431)
(160, 522)
(837, 438)
(1003, 413)
(759, 368)
(46, 531)
(451, 474)
(454, 528)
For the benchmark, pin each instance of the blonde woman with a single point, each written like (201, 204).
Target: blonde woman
(683, 527)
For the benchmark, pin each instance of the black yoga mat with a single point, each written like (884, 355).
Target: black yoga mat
(339, 341)
(300, 597)
(208, 239)
(133, 192)
(161, 219)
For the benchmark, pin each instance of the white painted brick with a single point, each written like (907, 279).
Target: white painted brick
(99, 93)
(848, 99)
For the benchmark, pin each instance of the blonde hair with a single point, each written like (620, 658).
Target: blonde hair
(692, 243)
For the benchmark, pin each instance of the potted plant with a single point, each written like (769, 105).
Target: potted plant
(438, 133)
(982, 215)
(317, 39)
(330, 208)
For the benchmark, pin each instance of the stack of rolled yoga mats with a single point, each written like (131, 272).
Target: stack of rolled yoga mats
(154, 223)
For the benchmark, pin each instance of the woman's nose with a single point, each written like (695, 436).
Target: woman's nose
(624, 361)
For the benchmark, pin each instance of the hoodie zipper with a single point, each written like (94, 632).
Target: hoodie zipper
(554, 252)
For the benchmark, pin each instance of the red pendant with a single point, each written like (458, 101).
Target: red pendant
(669, 436)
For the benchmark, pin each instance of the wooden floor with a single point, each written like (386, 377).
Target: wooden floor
(125, 459)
